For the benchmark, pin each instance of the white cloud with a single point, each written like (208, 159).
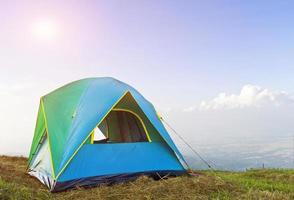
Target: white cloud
(250, 96)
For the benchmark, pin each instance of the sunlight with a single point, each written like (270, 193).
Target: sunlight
(45, 30)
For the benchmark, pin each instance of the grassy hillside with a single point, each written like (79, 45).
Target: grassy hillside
(253, 184)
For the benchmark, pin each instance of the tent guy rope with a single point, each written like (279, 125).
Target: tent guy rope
(185, 142)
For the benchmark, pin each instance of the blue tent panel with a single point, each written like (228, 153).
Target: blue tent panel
(120, 158)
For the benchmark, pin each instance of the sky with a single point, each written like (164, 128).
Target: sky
(191, 59)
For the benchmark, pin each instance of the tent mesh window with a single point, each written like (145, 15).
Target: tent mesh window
(120, 127)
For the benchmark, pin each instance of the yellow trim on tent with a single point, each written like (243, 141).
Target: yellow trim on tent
(46, 128)
(126, 110)
(66, 164)
(92, 137)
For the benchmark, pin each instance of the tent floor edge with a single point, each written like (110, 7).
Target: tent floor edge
(107, 180)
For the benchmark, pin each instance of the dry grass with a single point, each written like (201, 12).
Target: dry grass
(254, 184)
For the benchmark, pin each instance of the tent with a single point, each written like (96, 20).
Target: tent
(99, 130)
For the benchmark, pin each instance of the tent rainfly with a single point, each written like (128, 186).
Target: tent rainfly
(99, 130)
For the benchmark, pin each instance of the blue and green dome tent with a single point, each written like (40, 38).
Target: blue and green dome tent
(99, 130)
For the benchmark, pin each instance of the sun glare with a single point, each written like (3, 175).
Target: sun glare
(45, 30)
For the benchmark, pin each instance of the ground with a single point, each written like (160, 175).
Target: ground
(252, 184)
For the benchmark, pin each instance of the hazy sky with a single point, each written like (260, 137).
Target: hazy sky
(176, 53)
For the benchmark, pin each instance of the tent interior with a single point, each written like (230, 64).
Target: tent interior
(118, 127)
(125, 123)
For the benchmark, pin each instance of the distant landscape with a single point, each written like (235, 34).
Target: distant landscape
(244, 153)
(236, 139)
